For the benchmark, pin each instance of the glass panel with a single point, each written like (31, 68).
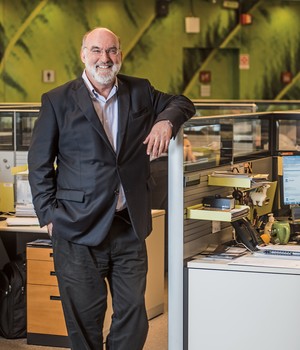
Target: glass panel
(250, 136)
(207, 143)
(214, 109)
(202, 146)
(269, 106)
(6, 130)
(220, 140)
(25, 123)
(260, 106)
(288, 135)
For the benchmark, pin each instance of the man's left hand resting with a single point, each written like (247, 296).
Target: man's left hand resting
(159, 138)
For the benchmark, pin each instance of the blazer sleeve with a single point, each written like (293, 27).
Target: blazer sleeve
(41, 158)
(175, 108)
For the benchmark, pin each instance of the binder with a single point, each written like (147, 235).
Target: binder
(7, 197)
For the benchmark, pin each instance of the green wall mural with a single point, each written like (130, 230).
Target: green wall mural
(40, 43)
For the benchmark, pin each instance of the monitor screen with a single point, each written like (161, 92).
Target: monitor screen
(291, 180)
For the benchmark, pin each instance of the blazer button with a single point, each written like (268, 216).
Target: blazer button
(116, 192)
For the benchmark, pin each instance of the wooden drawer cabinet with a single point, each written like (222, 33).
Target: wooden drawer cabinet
(45, 319)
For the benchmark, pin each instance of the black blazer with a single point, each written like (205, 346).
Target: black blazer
(79, 196)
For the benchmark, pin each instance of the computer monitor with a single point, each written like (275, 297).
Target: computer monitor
(291, 180)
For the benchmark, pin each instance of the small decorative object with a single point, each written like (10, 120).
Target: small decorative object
(259, 195)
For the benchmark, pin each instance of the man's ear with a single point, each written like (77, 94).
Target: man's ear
(82, 55)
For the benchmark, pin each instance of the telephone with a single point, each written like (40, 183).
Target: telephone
(245, 233)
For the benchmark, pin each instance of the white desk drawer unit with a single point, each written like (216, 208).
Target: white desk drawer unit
(243, 307)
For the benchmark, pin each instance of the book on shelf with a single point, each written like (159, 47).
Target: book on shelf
(200, 212)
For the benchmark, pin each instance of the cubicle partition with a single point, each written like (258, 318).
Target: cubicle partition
(16, 125)
(250, 142)
(260, 105)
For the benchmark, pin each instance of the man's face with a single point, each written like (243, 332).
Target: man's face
(102, 56)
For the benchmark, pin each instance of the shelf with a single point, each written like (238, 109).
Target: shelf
(235, 180)
(199, 212)
(230, 181)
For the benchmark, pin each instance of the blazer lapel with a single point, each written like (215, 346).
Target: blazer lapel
(123, 111)
(86, 105)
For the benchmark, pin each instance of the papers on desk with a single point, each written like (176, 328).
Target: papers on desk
(263, 261)
(19, 221)
(40, 243)
(25, 209)
(220, 252)
(284, 256)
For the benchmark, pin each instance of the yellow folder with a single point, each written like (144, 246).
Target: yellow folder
(7, 197)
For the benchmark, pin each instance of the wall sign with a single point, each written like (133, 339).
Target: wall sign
(286, 77)
(205, 76)
(48, 76)
(244, 61)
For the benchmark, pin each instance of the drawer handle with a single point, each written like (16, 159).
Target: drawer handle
(51, 255)
(52, 273)
(54, 297)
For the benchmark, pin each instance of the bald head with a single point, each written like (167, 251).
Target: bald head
(99, 32)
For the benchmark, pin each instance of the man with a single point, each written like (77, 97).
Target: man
(100, 130)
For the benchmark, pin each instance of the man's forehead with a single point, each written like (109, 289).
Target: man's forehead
(101, 36)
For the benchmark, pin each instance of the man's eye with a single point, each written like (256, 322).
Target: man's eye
(112, 50)
(96, 51)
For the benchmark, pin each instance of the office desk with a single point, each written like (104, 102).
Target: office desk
(242, 307)
(15, 239)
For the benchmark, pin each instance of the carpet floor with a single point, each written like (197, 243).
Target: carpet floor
(157, 338)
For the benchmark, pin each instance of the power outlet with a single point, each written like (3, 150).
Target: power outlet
(215, 226)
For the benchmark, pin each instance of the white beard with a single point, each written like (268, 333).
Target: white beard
(102, 78)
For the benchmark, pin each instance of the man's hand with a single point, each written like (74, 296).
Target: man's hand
(50, 228)
(159, 138)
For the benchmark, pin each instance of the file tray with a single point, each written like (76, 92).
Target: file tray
(230, 181)
(199, 212)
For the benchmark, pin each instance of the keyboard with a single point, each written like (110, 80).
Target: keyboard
(281, 249)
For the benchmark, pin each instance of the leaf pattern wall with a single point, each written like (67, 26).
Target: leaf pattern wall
(38, 35)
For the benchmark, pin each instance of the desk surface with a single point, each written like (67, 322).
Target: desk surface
(250, 263)
(37, 229)
(6, 228)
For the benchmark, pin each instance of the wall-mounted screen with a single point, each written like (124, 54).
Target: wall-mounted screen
(291, 180)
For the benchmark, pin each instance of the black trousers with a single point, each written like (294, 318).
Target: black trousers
(82, 272)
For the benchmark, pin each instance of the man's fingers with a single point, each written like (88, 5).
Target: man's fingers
(159, 138)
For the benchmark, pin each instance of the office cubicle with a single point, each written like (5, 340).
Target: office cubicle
(252, 137)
